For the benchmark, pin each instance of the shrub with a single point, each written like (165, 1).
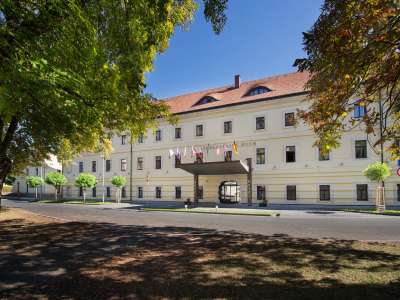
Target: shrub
(84, 181)
(119, 182)
(34, 182)
(57, 180)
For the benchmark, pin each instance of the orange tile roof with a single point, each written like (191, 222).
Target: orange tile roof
(281, 85)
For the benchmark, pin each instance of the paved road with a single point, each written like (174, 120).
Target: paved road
(309, 224)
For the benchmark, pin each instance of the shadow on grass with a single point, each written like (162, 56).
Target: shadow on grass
(108, 261)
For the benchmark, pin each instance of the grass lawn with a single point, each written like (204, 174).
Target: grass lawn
(221, 211)
(42, 259)
(77, 201)
(374, 211)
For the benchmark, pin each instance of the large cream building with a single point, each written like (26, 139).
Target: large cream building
(247, 149)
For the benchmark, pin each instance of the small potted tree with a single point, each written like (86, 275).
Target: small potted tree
(57, 180)
(378, 172)
(85, 181)
(34, 182)
(118, 182)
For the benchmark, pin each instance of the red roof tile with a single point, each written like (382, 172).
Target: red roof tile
(280, 85)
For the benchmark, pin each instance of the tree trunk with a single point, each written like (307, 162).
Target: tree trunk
(36, 193)
(5, 168)
(55, 194)
(84, 197)
(380, 199)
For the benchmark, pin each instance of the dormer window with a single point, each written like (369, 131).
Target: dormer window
(258, 90)
(205, 100)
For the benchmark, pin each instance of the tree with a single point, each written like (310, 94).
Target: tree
(353, 56)
(378, 172)
(119, 182)
(57, 180)
(85, 181)
(34, 182)
(80, 66)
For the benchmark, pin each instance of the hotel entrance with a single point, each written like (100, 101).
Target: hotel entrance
(229, 192)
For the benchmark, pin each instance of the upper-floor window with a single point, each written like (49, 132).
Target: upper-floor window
(228, 127)
(205, 100)
(124, 164)
(199, 130)
(289, 119)
(37, 171)
(290, 154)
(323, 154)
(94, 166)
(158, 135)
(362, 192)
(140, 139)
(123, 139)
(27, 171)
(108, 165)
(140, 163)
(359, 110)
(228, 155)
(260, 156)
(361, 148)
(258, 90)
(178, 132)
(260, 123)
(324, 192)
(158, 162)
(80, 166)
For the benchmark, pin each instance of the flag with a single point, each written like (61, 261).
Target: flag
(171, 153)
(218, 152)
(235, 147)
(193, 151)
(184, 152)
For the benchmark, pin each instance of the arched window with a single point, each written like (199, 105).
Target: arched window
(205, 100)
(258, 90)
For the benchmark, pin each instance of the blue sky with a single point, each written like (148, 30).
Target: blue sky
(261, 38)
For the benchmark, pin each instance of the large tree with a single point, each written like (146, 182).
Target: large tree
(353, 56)
(71, 69)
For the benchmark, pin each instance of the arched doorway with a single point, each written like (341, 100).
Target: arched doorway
(229, 192)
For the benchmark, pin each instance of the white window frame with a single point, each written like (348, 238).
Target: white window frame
(204, 130)
(173, 133)
(283, 118)
(331, 191)
(369, 191)
(286, 193)
(155, 135)
(296, 154)
(255, 122)
(223, 127)
(353, 150)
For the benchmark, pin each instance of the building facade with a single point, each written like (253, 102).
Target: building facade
(238, 143)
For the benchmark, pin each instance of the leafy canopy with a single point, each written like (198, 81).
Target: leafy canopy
(377, 172)
(118, 181)
(353, 55)
(85, 180)
(34, 181)
(55, 179)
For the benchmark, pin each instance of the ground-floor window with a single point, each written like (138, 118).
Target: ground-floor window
(81, 192)
(94, 192)
(261, 192)
(178, 192)
(108, 191)
(362, 192)
(291, 192)
(140, 192)
(324, 192)
(123, 192)
(158, 192)
(200, 192)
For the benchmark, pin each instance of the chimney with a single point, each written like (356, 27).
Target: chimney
(237, 81)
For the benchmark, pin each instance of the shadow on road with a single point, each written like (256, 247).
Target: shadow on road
(108, 261)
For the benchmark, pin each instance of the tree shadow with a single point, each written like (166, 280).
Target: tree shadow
(107, 261)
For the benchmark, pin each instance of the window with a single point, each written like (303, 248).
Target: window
(177, 160)
(123, 192)
(140, 192)
(200, 192)
(94, 192)
(178, 132)
(323, 155)
(228, 155)
(108, 165)
(140, 163)
(158, 192)
(362, 192)
(205, 100)
(260, 123)
(290, 154)
(80, 166)
(158, 162)
(27, 171)
(140, 139)
(289, 119)
(359, 110)
(124, 164)
(199, 130)
(37, 171)
(324, 192)
(158, 135)
(361, 149)
(108, 192)
(93, 166)
(398, 192)
(178, 192)
(260, 156)
(258, 90)
(291, 192)
(228, 127)
(261, 192)
(123, 139)
(80, 191)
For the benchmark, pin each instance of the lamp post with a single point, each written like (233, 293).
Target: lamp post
(102, 174)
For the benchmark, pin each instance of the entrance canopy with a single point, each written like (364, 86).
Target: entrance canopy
(216, 168)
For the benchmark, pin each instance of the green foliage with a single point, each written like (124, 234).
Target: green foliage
(353, 54)
(377, 172)
(85, 180)
(34, 181)
(10, 180)
(55, 179)
(118, 181)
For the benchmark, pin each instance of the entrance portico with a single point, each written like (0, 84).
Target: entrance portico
(233, 167)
